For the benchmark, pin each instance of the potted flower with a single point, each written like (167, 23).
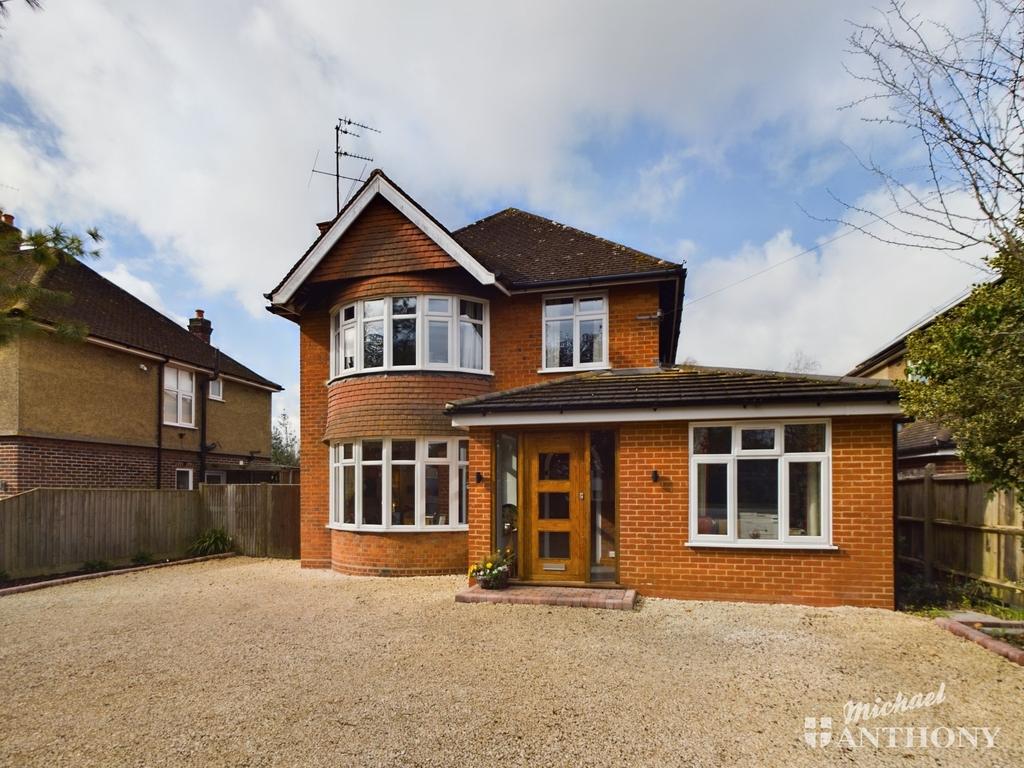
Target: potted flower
(494, 571)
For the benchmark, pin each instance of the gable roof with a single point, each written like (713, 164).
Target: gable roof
(376, 184)
(678, 387)
(114, 315)
(511, 249)
(897, 348)
(529, 250)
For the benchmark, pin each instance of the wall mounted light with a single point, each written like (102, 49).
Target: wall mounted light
(479, 477)
(655, 476)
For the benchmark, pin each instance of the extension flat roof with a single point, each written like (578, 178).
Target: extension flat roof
(679, 386)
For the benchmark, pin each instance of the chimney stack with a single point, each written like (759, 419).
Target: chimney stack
(6, 220)
(200, 326)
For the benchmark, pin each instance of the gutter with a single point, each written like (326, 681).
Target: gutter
(664, 274)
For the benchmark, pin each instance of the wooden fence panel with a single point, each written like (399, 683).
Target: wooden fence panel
(947, 524)
(49, 530)
(262, 519)
(53, 530)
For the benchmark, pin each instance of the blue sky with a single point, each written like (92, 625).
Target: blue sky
(186, 132)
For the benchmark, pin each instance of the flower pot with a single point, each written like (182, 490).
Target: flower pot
(495, 581)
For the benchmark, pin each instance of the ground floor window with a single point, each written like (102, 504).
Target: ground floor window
(402, 484)
(757, 485)
(183, 479)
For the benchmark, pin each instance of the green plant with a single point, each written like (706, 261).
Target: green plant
(212, 542)
(494, 571)
(915, 594)
(95, 566)
(4, 576)
(142, 558)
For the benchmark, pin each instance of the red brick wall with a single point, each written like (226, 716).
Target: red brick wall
(516, 340)
(363, 553)
(481, 459)
(654, 521)
(37, 462)
(398, 404)
(314, 368)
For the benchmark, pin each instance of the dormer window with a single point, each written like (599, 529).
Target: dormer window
(575, 332)
(408, 333)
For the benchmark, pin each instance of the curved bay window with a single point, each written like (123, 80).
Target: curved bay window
(414, 484)
(448, 333)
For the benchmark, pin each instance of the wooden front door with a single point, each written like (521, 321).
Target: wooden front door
(555, 488)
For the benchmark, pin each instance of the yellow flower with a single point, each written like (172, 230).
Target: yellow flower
(488, 565)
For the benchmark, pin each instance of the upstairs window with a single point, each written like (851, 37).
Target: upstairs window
(179, 397)
(217, 389)
(410, 332)
(575, 332)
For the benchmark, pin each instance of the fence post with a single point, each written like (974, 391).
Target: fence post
(928, 526)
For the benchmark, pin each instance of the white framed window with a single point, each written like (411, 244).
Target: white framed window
(217, 389)
(215, 477)
(575, 332)
(183, 479)
(179, 397)
(761, 485)
(410, 332)
(421, 483)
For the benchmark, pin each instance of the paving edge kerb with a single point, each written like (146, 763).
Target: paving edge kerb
(86, 576)
(985, 641)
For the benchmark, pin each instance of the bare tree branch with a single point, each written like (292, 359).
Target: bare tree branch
(960, 94)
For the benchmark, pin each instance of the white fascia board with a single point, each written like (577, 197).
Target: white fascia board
(380, 186)
(700, 413)
(246, 382)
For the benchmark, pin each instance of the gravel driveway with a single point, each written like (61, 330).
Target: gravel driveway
(258, 663)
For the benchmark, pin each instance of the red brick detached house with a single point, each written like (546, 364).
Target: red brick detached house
(510, 384)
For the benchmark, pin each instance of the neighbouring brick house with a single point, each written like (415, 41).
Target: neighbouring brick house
(142, 402)
(919, 443)
(510, 384)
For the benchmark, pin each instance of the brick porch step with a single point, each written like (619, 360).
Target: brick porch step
(574, 597)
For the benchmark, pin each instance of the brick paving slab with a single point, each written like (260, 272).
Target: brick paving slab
(574, 597)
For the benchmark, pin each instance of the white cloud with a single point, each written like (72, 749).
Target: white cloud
(198, 121)
(836, 305)
(141, 289)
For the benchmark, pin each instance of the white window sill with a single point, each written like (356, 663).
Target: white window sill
(179, 426)
(758, 544)
(379, 371)
(397, 528)
(218, 399)
(575, 370)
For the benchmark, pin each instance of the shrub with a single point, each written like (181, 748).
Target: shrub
(4, 576)
(95, 566)
(212, 542)
(142, 558)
